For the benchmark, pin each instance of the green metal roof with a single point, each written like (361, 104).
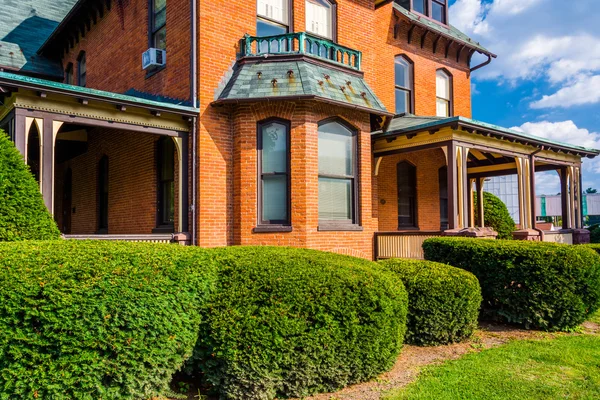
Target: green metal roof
(254, 80)
(26, 82)
(24, 27)
(408, 123)
(448, 31)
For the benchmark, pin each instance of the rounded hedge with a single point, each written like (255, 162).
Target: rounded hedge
(539, 285)
(443, 301)
(496, 215)
(23, 215)
(97, 320)
(291, 322)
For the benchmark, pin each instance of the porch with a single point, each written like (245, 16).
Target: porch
(428, 169)
(110, 166)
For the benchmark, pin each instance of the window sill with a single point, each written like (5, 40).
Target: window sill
(150, 74)
(272, 229)
(337, 227)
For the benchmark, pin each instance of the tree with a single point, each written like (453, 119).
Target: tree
(23, 215)
(496, 215)
(591, 191)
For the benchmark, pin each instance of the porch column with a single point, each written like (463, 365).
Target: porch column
(181, 143)
(524, 181)
(463, 187)
(452, 186)
(472, 219)
(21, 134)
(532, 192)
(480, 213)
(572, 188)
(48, 134)
(564, 197)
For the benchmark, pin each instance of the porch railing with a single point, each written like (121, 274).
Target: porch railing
(301, 43)
(558, 237)
(177, 238)
(404, 244)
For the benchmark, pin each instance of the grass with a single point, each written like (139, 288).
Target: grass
(567, 367)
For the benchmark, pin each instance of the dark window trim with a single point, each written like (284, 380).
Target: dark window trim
(429, 12)
(151, 28)
(102, 230)
(410, 91)
(275, 225)
(82, 78)
(161, 226)
(355, 223)
(451, 94)
(415, 224)
(334, 22)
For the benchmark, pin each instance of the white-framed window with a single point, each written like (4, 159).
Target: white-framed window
(404, 85)
(272, 17)
(319, 18)
(443, 93)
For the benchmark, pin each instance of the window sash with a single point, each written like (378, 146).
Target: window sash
(274, 10)
(158, 24)
(441, 8)
(82, 71)
(407, 195)
(404, 106)
(319, 18)
(442, 107)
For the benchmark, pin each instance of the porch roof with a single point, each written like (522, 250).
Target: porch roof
(407, 124)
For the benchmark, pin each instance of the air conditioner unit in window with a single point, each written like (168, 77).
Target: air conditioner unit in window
(154, 58)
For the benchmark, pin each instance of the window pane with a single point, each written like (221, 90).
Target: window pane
(275, 199)
(319, 18)
(160, 39)
(420, 6)
(167, 161)
(403, 77)
(402, 101)
(438, 12)
(336, 150)
(160, 18)
(274, 148)
(442, 85)
(335, 199)
(265, 28)
(159, 5)
(443, 108)
(168, 202)
(443, 184)
(407, 187)
(276, 10)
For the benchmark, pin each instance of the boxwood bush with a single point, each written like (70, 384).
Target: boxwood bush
(97, 320)
(496, 215)
(291, 322)
(23, 215)
(443, 301)
(539, 285)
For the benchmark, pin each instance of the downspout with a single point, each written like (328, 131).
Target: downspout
(489, 60)
(194, 99)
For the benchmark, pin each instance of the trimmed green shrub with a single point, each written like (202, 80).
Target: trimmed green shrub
(496, 215)
(97, 320)
(539, 285)
(23, 215)
(594, 233)
(443, 301)
(291, 322)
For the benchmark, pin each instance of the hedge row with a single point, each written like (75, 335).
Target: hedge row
(539, 285)
(443, 301)
(97, 320)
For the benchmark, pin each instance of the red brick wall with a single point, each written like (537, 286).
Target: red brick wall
(115, 45)
(132, 163)
(428, 163)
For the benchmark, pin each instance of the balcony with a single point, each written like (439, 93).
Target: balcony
(301, 43)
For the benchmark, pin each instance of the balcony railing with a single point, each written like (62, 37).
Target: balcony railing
(301, 43)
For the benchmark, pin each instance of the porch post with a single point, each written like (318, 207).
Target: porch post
(181, 143)
(524, 192)
(480, 212)
(471, 204)
(572, 188)
(581, 210)
(452, 187)
(463, 188)
(48, 138)
(564, 193)
(532, 192)
(20, 133)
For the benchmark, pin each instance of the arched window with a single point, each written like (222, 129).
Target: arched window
(320, 18)
(82, 69)
(407, 195)
(166, 183)
(102, 193)
(273, 169)
(33, 151)
(443, 184)
(404, 85)
(444, 93)
(337, 174)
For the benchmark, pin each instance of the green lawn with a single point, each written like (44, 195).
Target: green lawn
(564, 368)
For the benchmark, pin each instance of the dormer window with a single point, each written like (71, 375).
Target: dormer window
(436, 10)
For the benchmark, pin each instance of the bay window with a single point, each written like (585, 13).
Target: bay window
(337, 174)
(443, 93)
(320, 18)
(404, 85)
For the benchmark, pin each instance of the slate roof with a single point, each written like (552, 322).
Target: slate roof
(408, 123)
(308, 81)
(24, 27)
(449, 31)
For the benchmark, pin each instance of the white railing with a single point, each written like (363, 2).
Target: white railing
(402, 244)
(153, 238)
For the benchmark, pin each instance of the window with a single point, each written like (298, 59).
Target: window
(69, 74)
(407, 195)
(166, 183)
(443, 183)
(443, 93)
(435, 9)
(103, 195)
(320, 18)
(420, 6)
(273, 169)
(272, 17)
(438, 11)
(337, 173)
(82, 69)
(404, 85)
(158, 24)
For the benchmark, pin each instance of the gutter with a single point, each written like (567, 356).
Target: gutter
(483, 64)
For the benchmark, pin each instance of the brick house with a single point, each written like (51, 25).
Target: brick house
(340, 125)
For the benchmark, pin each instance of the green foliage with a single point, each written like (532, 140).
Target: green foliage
(291, 322)
(594, 233)
(23, 215)
(443, 301)
(97, 320)
(496, 215)
(539, 285)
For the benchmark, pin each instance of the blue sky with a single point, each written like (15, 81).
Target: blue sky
(546, 79)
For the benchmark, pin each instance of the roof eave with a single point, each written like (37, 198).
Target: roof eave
(63, 23)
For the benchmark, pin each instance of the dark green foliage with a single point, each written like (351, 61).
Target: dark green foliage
(97, 320)
(496, 215)
(594, 233)
(291, 322)
(595, 247)
(443, 301)
(23, 215)
(539, 285)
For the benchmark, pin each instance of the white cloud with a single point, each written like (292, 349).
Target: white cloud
(512, 7)
(467, 15)
(586, 90)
